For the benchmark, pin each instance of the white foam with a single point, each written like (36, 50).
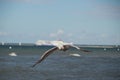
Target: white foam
(10, 47)
(13, 54)
(118, 49)
(105, 49)
(76, 55)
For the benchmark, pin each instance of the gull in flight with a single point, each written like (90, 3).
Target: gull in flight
(59, 45)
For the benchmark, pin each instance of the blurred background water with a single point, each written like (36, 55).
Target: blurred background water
(100, 64)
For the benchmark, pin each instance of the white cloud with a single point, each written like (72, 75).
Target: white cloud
(69, 34)
(60, 32)
(62, 35)
(56, 34)
(53, 35)
(3, 33)
(104, 35)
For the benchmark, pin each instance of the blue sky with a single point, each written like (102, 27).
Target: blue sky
(78, 21)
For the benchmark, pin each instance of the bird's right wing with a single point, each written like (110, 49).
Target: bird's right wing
(84, 50)
(79, 48)
(75, 47)
(47, 53)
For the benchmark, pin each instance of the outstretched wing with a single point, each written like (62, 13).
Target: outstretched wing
(48, 52)
(75, 47)
(84, 50)
(79, 48)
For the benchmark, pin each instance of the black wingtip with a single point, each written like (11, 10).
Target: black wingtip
(86, 51)
(33, 66)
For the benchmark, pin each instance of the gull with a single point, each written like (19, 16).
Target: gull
(58, 45)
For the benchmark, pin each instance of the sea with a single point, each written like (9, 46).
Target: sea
(101, 63)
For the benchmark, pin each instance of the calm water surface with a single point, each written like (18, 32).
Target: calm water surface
(100, 64)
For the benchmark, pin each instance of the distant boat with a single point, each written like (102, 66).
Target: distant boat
(76, 55)
(43, 42)
(118, 49)
(19, 43)
(3, 43)
(10, 47)
(13, 54)
(105, 49)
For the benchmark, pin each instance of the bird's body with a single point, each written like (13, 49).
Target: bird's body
(59, 45)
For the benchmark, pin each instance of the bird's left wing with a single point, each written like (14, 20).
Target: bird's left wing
(48, 52)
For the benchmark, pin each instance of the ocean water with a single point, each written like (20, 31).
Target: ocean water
(100, 64)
